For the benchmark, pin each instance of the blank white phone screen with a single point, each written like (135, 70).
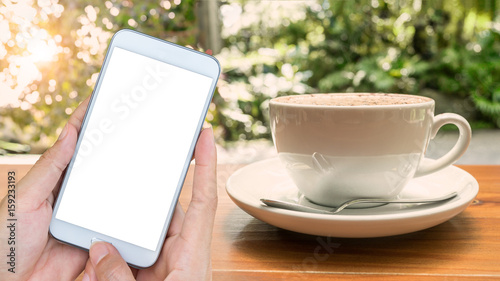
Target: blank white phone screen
(134, 147)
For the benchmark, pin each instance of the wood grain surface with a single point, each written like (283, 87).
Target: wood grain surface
(467, 247)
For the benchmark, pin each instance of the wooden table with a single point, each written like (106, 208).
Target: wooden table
(466, 247)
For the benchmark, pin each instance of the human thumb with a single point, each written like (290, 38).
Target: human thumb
(108, 264)
(43, 178)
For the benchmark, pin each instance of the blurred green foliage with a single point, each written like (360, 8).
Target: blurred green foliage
(447, 50)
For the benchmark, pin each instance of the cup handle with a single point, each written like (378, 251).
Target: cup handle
(456, 152)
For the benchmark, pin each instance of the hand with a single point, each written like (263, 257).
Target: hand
(41, 257)
(186, 252)
(38, 255)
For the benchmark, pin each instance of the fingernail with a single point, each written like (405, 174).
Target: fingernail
(209, 128)
(98, 251)
(85, 277)
(64, 132)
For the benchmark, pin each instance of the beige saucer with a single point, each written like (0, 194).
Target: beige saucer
(267, 179)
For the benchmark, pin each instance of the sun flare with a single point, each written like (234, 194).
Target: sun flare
(42, 51)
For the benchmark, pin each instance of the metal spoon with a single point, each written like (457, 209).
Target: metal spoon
(302, 208)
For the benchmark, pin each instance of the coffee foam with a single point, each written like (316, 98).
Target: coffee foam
(352, 99)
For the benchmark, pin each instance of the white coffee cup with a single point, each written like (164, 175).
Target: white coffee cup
(338, 147)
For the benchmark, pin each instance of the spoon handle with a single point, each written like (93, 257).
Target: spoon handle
(414, 200)
(375, 200)
(292, 206)
(302, 208)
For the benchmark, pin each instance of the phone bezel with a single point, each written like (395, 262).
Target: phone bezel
(163, 51)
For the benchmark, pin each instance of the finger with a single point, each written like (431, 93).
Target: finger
(195, 226)
(76, 118)
(89, 273)
(206, 125)
(177, 221)
(108, 264)
(55, 253)
(205, 178)
(159, 271)
(37, 185)
(199, 218)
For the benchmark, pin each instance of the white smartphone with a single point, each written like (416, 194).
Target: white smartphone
(135, 146)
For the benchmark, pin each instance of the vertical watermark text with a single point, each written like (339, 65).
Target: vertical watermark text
(11, 221)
